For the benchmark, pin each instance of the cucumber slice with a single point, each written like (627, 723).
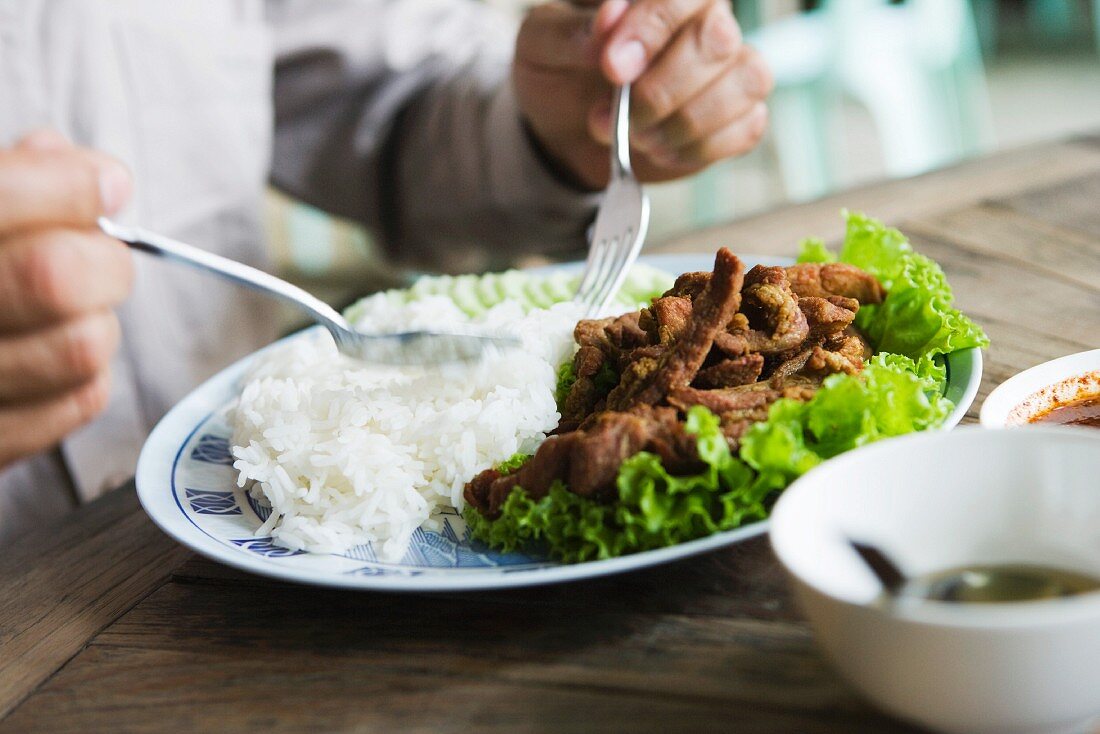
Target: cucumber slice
(475, 294)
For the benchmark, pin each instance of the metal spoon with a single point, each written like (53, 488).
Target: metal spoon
(884, 569)
(409, 348)
(976, 584)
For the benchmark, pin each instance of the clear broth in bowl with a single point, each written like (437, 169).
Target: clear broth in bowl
(999, 583)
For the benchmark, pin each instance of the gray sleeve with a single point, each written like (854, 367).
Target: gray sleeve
(400, 114)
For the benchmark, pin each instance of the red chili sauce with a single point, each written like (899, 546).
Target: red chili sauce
(1084, 412)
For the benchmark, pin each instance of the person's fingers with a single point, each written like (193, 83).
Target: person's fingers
(736, 138)
(52, 275)
(610, 12)
(44, 139)
(599, 120)
(28, 428)
(557, 36)
(705, 48)
(729, 97)
(58, 187)
(35, 365)
(643, 33)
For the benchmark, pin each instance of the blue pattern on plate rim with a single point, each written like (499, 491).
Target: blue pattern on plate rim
(210, 502)
(262, 510)
(214, 504)
(265, 547)
(213, 449)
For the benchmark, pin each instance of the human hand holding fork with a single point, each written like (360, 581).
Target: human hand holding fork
(697, 91)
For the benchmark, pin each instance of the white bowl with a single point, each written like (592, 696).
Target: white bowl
(935, 501)
(1040, 388)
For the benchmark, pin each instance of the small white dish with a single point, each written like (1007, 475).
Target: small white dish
(935, 501)
(1038, 389)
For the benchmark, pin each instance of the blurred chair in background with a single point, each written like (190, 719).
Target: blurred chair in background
(1051, 21)
(335, 259)
(916, 68)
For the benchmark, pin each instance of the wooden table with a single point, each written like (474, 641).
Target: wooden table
(106, 624)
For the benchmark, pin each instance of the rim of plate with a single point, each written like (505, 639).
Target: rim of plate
(155, 478)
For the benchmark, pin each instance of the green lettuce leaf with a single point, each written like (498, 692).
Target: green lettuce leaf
(889, 398)
(606, 380)
(566, 377)
(813, 250)
(930, 368)
(918, 317)
(513, 462)
(894, 395)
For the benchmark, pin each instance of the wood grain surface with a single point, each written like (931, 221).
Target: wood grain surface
(106, 625)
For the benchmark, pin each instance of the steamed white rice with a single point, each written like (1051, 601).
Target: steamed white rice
(346, 453)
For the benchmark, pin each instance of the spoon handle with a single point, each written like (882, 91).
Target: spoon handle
(887, 572)
(257, 280)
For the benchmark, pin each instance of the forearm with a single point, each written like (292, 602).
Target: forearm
(490, 197)
(399, 115)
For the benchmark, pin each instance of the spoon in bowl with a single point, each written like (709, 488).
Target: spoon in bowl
(884, 569)
(976, 584)
(407, 348)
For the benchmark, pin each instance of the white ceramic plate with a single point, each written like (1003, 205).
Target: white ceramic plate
(187, 484)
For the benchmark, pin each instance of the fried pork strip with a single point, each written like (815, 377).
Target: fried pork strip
(730, 341)
(677, 366)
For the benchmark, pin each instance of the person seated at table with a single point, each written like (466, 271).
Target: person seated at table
(457, 141)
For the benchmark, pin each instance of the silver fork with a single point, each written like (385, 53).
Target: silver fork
(404, 348)
(621, 221)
